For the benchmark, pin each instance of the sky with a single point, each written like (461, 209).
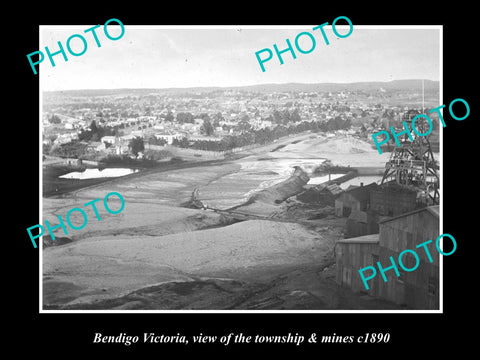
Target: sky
(164, 57)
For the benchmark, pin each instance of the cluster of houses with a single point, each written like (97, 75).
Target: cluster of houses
(234, 106)
(148, 117)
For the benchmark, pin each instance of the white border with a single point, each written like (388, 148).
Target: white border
(441, 164)
(40, 242)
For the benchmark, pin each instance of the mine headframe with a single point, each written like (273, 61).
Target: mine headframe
(413, 165)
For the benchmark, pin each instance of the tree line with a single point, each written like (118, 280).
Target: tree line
(262, 136)
(246, 137)
(96, 132)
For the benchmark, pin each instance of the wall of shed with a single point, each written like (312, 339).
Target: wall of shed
(347, 201)
(409, 231)
(363, 223)
(351, 257)
(392, 203)
(417, 289)
(411, 288)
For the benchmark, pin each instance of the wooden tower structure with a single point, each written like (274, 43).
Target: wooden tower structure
(413, 165)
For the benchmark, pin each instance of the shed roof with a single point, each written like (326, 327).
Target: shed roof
(393, 187)
(361, 192)
(434, 210)
(365, 239)
(334, 189)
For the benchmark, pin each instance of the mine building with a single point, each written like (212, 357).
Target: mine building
(361, 223)
(418, 289)
(322, 193)
(393, 200)
(354, 198)
(405, 207)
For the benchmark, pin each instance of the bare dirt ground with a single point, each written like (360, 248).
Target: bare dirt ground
(157, 254)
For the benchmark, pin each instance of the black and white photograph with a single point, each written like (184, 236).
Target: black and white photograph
(241, 189)
(293, 179)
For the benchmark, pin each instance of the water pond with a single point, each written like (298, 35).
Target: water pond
(98, 173)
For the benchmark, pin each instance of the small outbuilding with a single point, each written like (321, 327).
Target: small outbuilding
(354, 198)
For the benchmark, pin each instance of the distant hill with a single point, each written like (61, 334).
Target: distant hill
(368, 86)
(396, 85)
